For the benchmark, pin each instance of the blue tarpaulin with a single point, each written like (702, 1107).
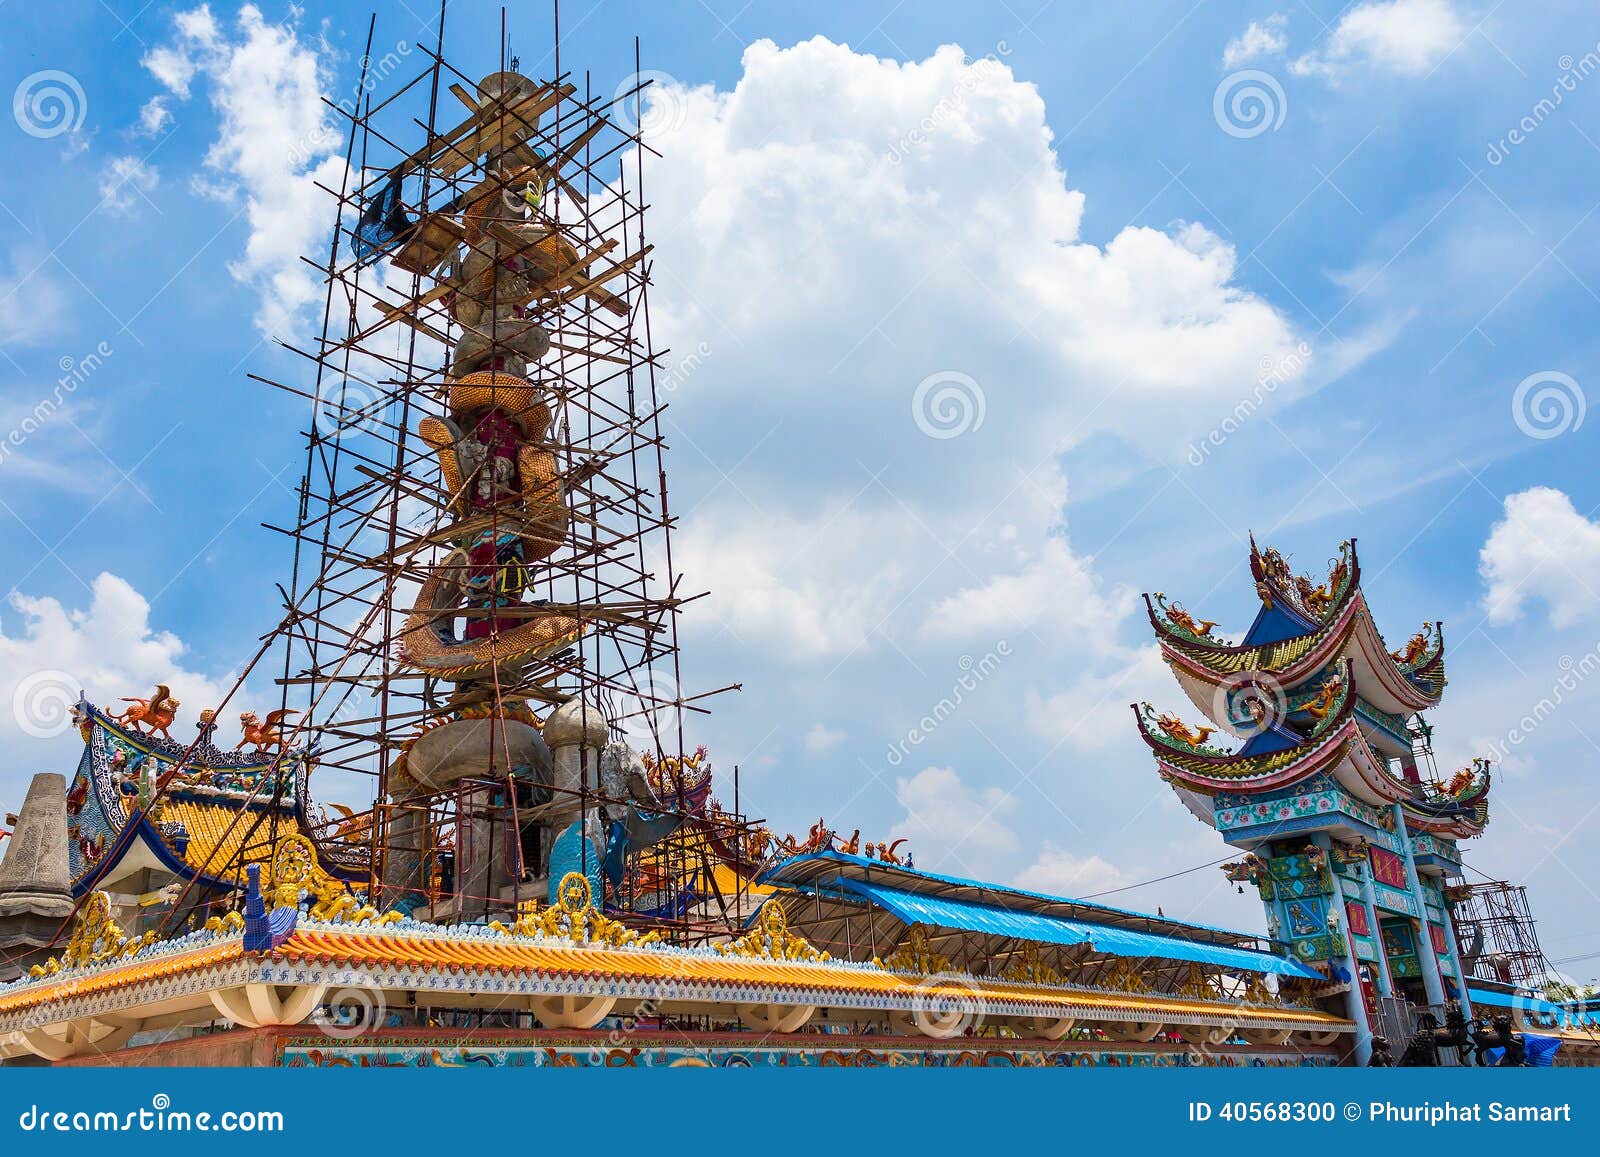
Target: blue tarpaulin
(1540, 1051)
(917, 908)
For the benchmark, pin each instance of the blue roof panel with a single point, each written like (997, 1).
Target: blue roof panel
(1504, 1000)
(1274, 624)
(918, 908)
(778, 875)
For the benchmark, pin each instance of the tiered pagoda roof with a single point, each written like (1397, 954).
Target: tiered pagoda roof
(1312, 690)
(1301, 630)
(220, 810)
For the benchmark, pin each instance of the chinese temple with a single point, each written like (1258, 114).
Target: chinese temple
(538, 868)
(1350, 837)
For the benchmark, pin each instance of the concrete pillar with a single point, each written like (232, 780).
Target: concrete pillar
(576, 732)
(1426, 957)
(480, 858)
(405, 832)
(35, 879)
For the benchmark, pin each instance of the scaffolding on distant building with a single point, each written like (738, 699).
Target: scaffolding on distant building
(1498, 938)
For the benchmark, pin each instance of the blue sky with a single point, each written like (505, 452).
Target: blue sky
(1201, 268)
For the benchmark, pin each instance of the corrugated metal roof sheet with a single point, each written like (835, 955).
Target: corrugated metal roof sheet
(1506, 1000)
(825, 869)
(918, 908)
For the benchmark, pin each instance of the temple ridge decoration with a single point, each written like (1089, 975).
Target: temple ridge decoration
(96, 938)
(915, 956)
(298, 877)
(574, 918)
(771, 939)
(1349, 837)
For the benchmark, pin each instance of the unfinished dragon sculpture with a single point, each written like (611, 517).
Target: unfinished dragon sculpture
(496, 459)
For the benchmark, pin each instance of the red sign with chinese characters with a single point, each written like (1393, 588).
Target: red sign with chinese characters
(1356, 917)
(1440, 945)
(1388, 868)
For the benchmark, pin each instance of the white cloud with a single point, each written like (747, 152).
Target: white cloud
(819, 738)
(124, 182)
(1091, 714)
(1408, 37)
(198, 26)
(1055, 591)
(154, 115)
(1542, 548)
(33, 304)
(836, 229)
(795, 582)
(172, 66)
(947, 818)
(1060, 873)
(1260, 38)
(275, 142)
(938, 234)
(48, 652)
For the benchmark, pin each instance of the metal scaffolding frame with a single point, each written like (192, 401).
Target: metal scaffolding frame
(1497, 935)
(377, 517)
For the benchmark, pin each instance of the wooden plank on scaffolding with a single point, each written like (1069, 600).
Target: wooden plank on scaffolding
(504, 130)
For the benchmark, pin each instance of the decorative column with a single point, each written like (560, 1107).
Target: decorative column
(1385, 981)
(1426, 956)
(1355, 1003)
(1455, 956)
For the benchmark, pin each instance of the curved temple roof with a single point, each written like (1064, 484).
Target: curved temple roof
(1300, 630)
(215, 804)
(1278, 756)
